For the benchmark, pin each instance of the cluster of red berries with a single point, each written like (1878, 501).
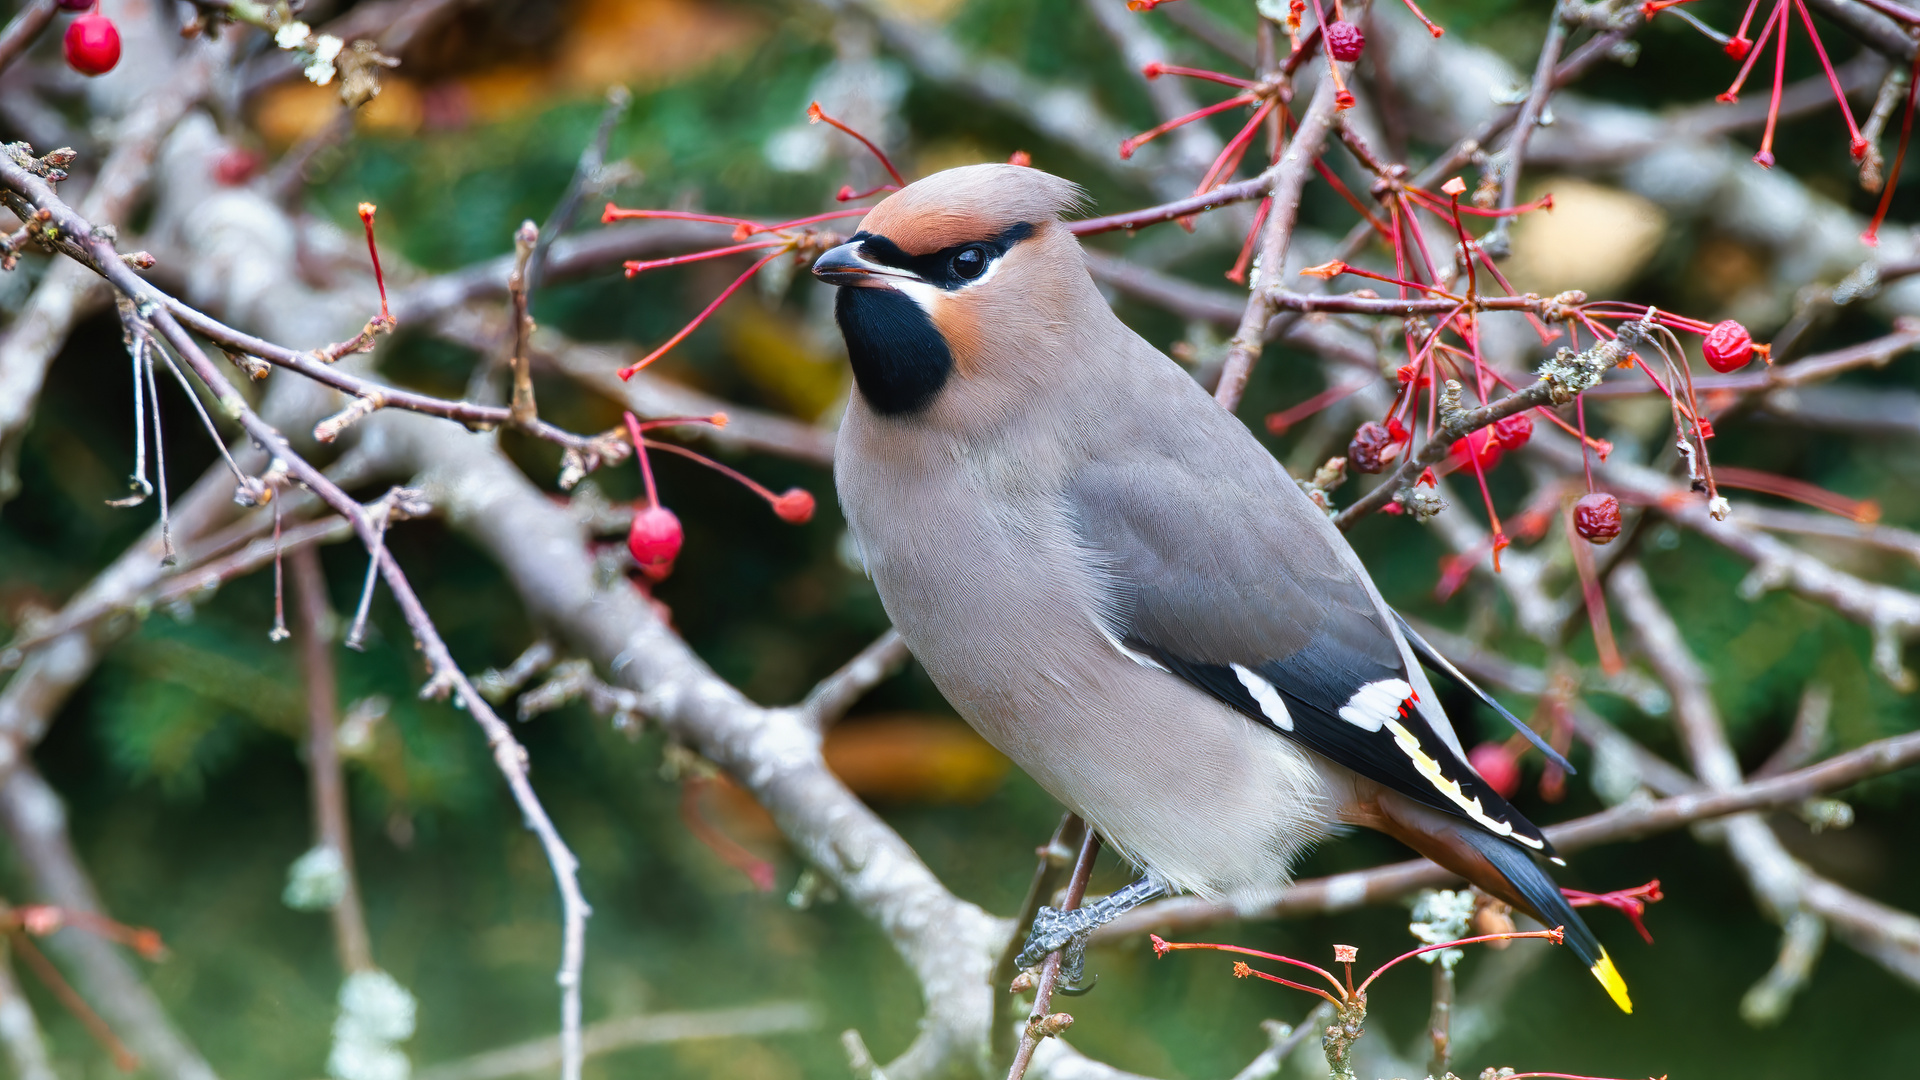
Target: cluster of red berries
(92, 43)
(1487, 445)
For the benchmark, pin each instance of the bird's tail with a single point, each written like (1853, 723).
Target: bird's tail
(1545, 902)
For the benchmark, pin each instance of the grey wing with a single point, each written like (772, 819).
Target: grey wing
(1228, 583)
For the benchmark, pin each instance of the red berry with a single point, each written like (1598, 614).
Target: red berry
(1482, 445)
(1737, 47)
(1496, 767)
(236, 167)
(92, 45)
(655, 541)
(795, 505)
(76, 5)
(1597, 517)
(1728, 346)
(1344, 41)
(1367, 452)
(1513, 432)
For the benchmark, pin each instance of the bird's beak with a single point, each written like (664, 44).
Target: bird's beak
(844, 266)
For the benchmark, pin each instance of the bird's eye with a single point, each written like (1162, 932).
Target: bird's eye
(969, 262)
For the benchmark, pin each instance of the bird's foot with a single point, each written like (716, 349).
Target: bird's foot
(1068, 931)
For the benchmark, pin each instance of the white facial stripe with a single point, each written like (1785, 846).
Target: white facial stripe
(900, 281)
(913, 288)
(1430, 769)
(1267, 697)
(917, 291)
(1375, 704)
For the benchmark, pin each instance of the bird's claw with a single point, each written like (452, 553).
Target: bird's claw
(1064, 931)
(1069, 931)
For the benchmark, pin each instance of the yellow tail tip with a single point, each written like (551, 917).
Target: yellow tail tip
(1609, 977)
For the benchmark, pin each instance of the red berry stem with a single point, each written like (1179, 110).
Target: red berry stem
(793, 505)
(640, 451)
(366, 218)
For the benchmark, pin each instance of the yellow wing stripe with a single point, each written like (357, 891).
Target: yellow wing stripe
(1429, 768)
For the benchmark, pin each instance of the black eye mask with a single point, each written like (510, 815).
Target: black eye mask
(948, 268)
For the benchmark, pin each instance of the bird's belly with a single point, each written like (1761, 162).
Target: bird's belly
(1001, 616)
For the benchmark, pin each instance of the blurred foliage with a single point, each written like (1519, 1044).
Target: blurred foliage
(180, 759)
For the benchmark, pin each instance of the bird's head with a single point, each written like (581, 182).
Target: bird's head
(954, 273)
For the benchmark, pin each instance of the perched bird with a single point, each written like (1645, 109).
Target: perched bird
(1111, 579)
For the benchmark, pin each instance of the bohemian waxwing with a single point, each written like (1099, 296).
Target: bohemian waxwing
(1118, 587)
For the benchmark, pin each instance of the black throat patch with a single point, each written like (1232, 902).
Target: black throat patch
(900, 361)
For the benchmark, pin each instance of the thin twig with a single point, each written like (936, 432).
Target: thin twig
(1040, 1023)
(525, 239)
(1296, 164)
(36, 826)
(1531, 111)
(1054, 858)
(446, 676)
(331, 823)
(1452, 428)
(1777, 881)
(586, 174)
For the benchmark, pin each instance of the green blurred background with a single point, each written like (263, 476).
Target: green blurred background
(180, 760)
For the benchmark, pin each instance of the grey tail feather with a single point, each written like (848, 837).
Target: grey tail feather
(1539, 890)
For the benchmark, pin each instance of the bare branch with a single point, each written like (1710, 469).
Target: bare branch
(627, 1032)
(1532, 109)
(21, 30)
(1286, 185)
(1042, 1024)
(1892, 614)
(19, 1029)
(1778, 883)
(331, 823)
(837, 692)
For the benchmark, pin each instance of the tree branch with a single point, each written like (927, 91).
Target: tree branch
(1295, 165)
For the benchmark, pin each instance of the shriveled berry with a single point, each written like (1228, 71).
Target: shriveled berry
(1512, 432)
(76, 5)
(92, 45)
(795, 505)
(1345, 41)
(1728, 346)
(1367, 452)
(1497, 767)
(1481, 446)
(1597, 517)
(655, 540)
